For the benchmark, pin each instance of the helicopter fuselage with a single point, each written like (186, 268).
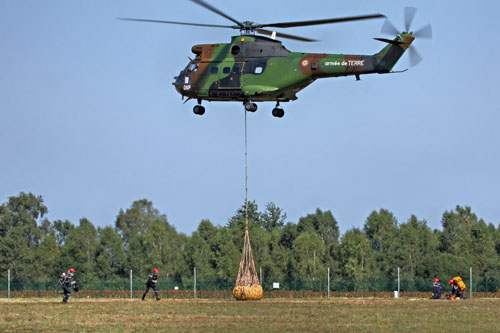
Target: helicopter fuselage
(256, 68)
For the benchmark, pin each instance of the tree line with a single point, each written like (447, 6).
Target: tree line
(36, 249)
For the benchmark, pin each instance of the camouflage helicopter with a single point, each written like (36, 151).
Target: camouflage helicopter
(253, 68)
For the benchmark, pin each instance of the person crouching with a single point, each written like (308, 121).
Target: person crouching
(436, 290)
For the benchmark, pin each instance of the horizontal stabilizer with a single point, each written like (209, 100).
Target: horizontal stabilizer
(390, 41)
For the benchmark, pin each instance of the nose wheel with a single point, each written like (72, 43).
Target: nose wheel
(199, 110)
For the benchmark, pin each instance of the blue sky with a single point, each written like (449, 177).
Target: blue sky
(90, 120)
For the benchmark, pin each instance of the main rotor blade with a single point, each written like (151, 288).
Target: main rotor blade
(281, 35)
(317, 22)
(389, 29)
(215, 10)
(182, 23)
(409, 16)
(424, 32)
(415, 57)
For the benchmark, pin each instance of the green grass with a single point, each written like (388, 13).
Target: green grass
(269, 315)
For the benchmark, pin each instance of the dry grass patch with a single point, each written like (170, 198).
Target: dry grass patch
(271, 315)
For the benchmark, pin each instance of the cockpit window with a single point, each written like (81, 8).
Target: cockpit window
(193, 67)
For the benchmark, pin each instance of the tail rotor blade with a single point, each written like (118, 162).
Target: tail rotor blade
(389, 29)
(424, 32)
(415, 57)
(409, 16)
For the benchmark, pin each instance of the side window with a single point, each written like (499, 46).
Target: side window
(214, 70)
(258, 70)
(186, 79)
(236, 68)
(226, 70)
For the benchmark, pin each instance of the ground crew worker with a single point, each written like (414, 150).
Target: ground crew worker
(66, 281)
(436, 290)
(152, 281)
(456, 292)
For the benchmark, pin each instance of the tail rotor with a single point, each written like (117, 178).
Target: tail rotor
(424, 32)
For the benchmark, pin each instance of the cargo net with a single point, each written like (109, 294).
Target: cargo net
(247, 283)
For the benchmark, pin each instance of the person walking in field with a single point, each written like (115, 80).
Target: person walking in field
(436, 290)
(66, 281)
(152, 281)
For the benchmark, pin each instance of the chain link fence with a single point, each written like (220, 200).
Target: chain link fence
(272, 289)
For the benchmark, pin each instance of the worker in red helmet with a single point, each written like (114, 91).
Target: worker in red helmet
(66, 281)
(456, 291)
(436, 290)
(152, 281)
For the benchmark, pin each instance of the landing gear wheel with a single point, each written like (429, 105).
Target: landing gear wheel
(279, 113)
(251, 107)
(199, 110)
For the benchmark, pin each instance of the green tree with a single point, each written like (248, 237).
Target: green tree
(136, 220)
(20, 236)
(80, 250)
(468, 243)
(110, 256)
(309, 250)
(356, 255)
(417, 249)
(48, 253)
(381, 228)
(273, 217)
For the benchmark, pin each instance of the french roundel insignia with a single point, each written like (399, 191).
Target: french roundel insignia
(304, 62)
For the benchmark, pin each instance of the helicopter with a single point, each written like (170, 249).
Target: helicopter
(255, 68)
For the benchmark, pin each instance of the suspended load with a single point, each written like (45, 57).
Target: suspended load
(247, 283)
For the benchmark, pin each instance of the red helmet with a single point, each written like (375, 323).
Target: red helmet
(436, 280)
(72, 270)
(155, 270)
(451, 281)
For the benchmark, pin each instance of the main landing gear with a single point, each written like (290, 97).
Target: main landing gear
(277, 111)
(198, 109)
(249, 106)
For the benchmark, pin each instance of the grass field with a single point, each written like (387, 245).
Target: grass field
(267, 315)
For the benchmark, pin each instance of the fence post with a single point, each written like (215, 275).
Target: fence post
(194, 288)
(8, 283)
(131, 286)
(486, 286)
(470, 291)
(328, 282)
(399, 283)
(100, 288)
